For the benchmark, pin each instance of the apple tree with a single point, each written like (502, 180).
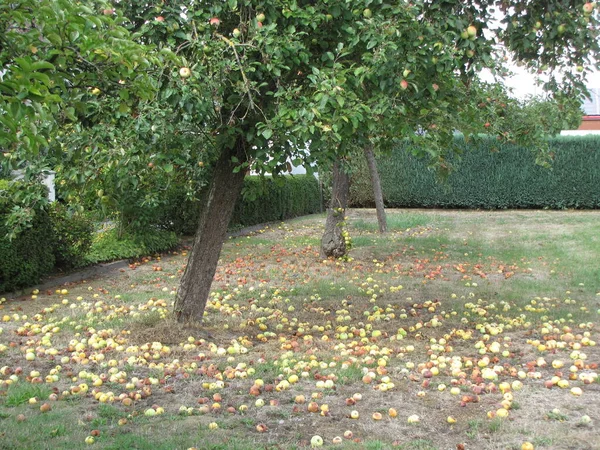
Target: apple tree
(328, 73)
(56, 58)
(440, 77)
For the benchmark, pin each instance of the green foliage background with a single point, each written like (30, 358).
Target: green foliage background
(491, 175)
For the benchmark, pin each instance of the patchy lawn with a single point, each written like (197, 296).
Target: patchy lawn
(455, 330)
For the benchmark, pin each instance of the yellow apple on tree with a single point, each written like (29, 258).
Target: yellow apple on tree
(185, 72)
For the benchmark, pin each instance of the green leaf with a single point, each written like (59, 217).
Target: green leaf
(39, 65)
(232, 4)
(168, 168)
(267, 133)
(24, 63)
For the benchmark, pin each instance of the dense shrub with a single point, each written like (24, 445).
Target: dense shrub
(73, 233)
(179, 214)
(27, 258)
(268, 200)
(109, 246)
(490, 175)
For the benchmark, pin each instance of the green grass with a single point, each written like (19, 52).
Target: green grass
(395, 222)
(495, 425)
(323, 287)
(474, 428)
(267, 371)
(420, 444)
(349, 375)
(20, 393)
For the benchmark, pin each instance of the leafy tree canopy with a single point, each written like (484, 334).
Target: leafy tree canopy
(135, 95)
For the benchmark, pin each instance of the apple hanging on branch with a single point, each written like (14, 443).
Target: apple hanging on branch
(588, 7)
(185, 72)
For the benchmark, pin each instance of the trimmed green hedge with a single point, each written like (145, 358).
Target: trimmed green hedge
(270, 200)
(262, 201)
(496, 176)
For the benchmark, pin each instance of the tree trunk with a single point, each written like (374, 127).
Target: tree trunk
(217, 209)
(333, 242)
(377, 191)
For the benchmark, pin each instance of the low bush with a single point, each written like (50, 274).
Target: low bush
(179, 213)
(73, 234)
(109, 246)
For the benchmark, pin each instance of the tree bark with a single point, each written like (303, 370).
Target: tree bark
(377, 191)
(333, 242)
(217, 209)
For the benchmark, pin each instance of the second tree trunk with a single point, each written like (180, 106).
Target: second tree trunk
(333, 242)
(377, 191)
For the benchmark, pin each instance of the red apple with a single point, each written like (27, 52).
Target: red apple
(313, 407)
(588, 8)
(214, 21)
(260, 17)
(160, 19)
(45, 407)
(404, 84)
